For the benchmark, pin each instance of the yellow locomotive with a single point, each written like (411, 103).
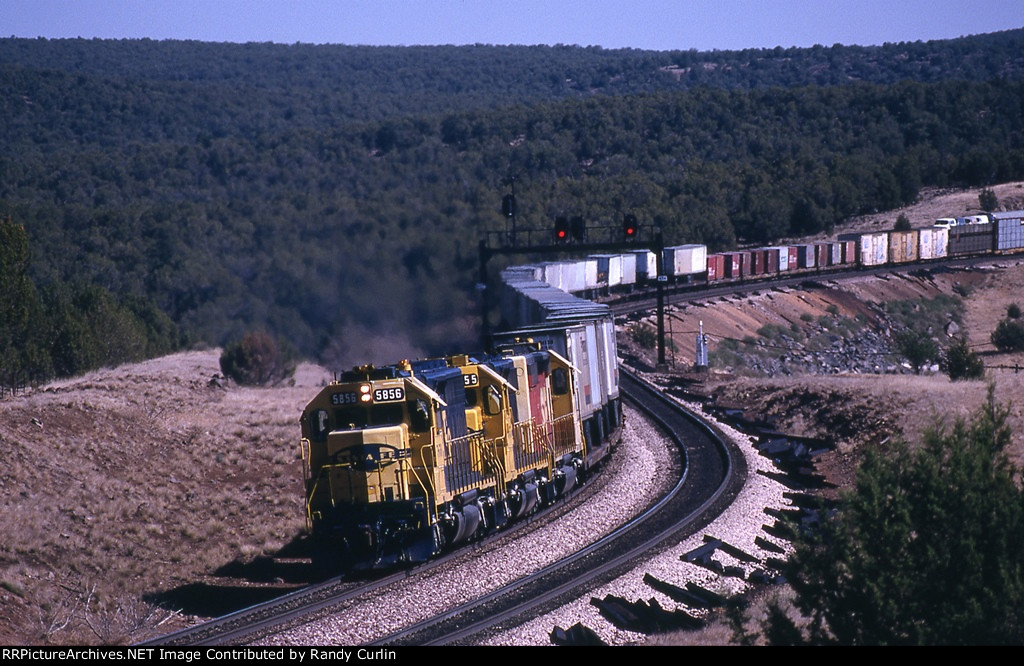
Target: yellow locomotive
(404, 461)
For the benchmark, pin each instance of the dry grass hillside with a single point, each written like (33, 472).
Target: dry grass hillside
(934, 203)
(131, 481)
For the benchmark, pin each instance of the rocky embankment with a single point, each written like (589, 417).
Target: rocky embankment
(856, 325)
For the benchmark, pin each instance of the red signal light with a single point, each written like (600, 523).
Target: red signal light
(561, 229)
(629, 227)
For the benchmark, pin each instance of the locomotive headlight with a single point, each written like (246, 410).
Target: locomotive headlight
(364, 393)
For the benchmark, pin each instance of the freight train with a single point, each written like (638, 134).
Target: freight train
(404, 461)
(692, 265)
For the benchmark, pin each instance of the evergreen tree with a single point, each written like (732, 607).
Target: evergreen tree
(962, 363)
(928, 549)
(257, 359)
(988, 200)
(1009, 335)
(917, 348)
(20, 314)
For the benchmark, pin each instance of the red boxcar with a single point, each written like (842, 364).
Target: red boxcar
(733, 264)
(716, 267)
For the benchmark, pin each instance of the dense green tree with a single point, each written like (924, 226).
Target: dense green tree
(21, 356)
(928, 548)
(918, 348)
(304, 189)
(1009, 335)
(66, 330)
(962, 363)
(988, 200)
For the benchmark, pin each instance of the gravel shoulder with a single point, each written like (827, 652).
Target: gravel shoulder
(637, 475)
(738, 526)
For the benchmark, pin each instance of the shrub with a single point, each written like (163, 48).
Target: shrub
(962, 363)
(917, 348)
(1009, 336)
(988, 200)
(256, 359)
(644, 336)
(1013, 311)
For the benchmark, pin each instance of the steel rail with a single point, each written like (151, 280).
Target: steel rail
(617, 551)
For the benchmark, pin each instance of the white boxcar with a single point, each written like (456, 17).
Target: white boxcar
(580, 276)
(933, 242)
(646, 265)
(628, 269)
(552, 274)
(684, 260)
(783, 257)
(609, 269)
(873, 249)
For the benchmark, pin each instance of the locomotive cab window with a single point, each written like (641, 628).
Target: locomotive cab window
(419, 416)
(356, 416)
(560, 381)
(494, 401)
(318, 425)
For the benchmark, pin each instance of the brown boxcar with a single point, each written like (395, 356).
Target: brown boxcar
(970, 238)
(821, 254)
(733, 264)
(757, 262)
(903, 246)
(849, 251)
(716, 267)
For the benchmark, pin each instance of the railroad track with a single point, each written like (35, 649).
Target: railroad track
(705, 488)
(645, 299)
(714, 473)
(325, 597)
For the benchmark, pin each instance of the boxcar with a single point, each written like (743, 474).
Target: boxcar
(1009, 230)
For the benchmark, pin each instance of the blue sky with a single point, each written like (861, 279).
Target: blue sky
(646, 24)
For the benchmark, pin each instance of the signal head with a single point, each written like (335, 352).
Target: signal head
(561, 229)
(579, 229)
(629, 227)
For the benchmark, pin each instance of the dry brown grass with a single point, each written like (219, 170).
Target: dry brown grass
(934, 203)
(132, 480)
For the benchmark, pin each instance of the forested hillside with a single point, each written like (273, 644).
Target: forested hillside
(325, 192)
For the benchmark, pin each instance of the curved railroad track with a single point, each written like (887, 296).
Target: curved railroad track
(320, 598)
(644, 299)
(711, 476)
(714, 474)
